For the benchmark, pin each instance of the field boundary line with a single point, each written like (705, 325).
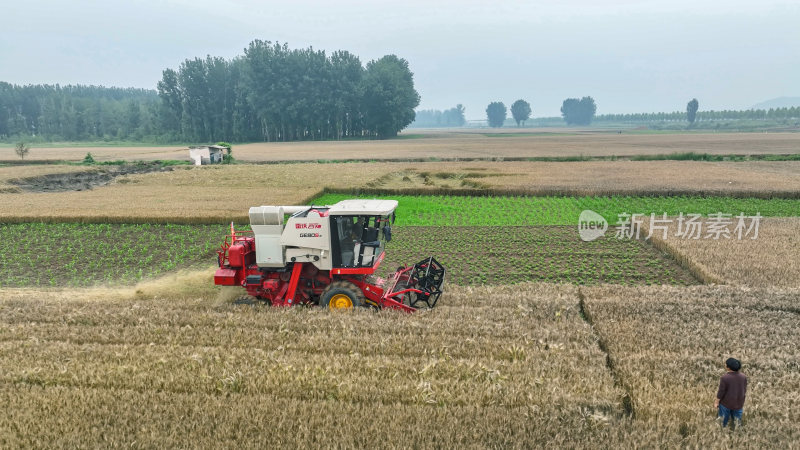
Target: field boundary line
(541, 192)
(627, 398)
(674, 156)
(133, 220)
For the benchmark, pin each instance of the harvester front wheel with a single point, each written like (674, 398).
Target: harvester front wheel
(341, 295)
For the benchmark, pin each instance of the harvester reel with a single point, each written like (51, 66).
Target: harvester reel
(428, 277)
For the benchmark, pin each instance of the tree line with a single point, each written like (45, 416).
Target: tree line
(271, 93)
(582, 112)
(574, 111)
(274, 93)
(77, 113)
(679, 116)
(434, 118)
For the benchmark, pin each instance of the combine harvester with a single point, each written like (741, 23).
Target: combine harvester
(325, 255)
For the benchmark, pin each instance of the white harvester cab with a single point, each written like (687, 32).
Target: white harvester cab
(350, 234)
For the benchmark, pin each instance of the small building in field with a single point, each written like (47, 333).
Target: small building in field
(206, 154)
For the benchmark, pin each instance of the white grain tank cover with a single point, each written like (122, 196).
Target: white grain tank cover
(267, 225)
(360, 207)
(266, 215)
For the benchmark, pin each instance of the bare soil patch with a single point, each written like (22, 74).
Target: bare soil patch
(82, 180)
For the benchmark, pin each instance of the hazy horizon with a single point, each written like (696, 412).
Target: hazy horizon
(631, 56)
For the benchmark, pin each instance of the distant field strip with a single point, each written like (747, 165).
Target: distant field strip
(519, 211)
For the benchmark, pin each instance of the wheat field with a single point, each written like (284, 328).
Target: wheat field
(769, 260)
(219, 194)
(483, 144)
(519, 366)
(172, 362)
(151, 370)
(667, 347)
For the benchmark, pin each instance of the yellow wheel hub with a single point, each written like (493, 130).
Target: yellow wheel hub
(340, 301)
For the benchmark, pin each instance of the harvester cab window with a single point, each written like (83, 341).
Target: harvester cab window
(359, 242)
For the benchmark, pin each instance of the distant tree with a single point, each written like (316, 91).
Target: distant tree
(389, 96)
(691, 110)
(496, 114)
(22, 149)
(456, 116)
(434, 118)
(521, 111)
(578, 112)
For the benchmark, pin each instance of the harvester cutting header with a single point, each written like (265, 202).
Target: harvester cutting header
(325, 255)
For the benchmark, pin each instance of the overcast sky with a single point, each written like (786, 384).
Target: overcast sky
(630, 55)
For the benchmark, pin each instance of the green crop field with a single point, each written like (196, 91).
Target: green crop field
(480, 240)
(505, 255)
(71, 254)
(432, 210)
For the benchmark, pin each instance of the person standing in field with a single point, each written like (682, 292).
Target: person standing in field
(731, 394)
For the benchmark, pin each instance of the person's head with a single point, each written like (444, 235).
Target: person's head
(733, 364)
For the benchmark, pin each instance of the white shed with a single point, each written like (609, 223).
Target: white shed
(207, 154)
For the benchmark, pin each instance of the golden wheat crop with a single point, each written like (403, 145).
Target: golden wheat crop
(211, 194)
(747, 179)
(218, 194)
(769, 260)
(460, 144)
(667, 346)
(145, 369)
(172, 361)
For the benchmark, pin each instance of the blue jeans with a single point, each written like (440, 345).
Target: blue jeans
(726, 414)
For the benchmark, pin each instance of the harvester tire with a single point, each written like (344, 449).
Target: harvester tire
(341, 295)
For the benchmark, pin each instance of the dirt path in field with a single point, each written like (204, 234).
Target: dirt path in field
(82, 181)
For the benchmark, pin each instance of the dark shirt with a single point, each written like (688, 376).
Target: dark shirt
(732, 389)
